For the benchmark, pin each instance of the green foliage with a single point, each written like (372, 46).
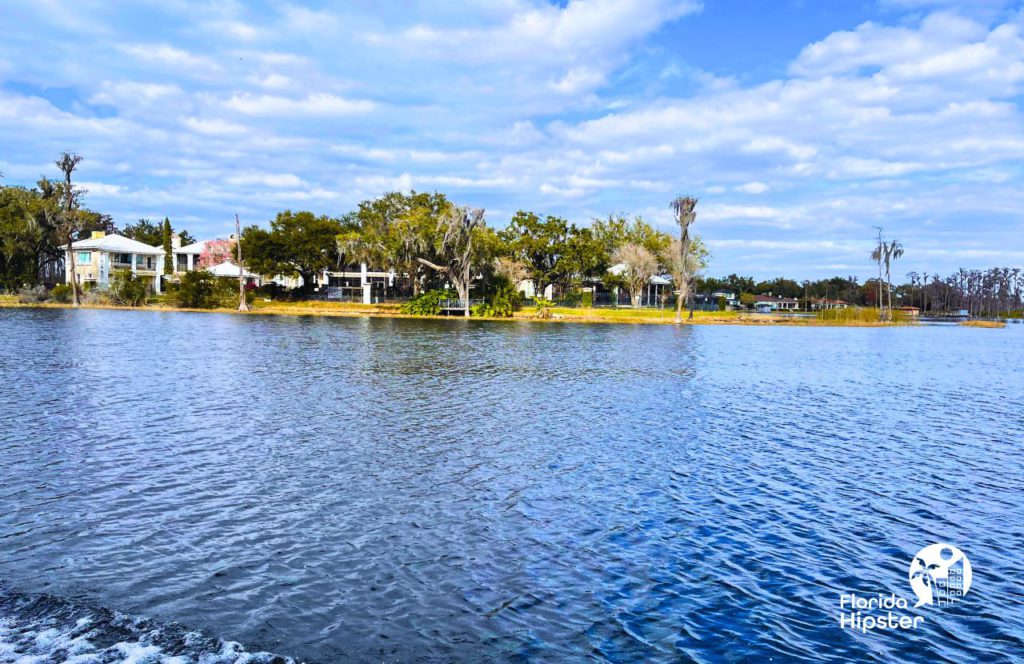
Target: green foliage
(748, 299)
(587, 299)
(197, 290)
(168, 247)
(128, 290)
(722, 303)
(543, 307)
(428, 303)
(298, 244)
(61, 293)
(501, 304)
(146, 232)
(21, 235)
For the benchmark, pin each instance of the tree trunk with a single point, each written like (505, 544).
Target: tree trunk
(242, 304)
(75, 301)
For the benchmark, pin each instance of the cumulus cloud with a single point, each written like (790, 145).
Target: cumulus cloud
(911, 120)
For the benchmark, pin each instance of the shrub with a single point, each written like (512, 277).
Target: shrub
(587, 301)
(501, 304)
(721, 303)
(428, 303)
(96, 296)
(543, 307)
(32, 295)
(61, 293)
(197, 290)
(128, 290)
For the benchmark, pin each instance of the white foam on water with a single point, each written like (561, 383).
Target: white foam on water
(38, 638)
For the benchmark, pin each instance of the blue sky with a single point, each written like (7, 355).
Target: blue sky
(799, 125)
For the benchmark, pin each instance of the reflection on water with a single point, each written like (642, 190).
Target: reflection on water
(392, 489)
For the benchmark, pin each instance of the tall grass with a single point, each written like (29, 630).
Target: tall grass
(859, 315)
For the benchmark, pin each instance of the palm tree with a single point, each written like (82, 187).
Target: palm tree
(684, 208)
(878, 255)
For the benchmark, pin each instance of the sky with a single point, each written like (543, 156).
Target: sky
(800, 125)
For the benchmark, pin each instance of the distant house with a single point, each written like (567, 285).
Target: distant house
(98, 257)
(910, 311)
(710, 301)
(824, 303)
(230, 270)
(768, 303)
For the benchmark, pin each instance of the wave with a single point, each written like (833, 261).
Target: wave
(41, 628)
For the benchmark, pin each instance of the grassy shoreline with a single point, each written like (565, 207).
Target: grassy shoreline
(558, 314)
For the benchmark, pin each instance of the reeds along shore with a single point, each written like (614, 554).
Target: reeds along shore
(854, 317)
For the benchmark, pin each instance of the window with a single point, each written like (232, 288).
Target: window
(84, 257)
(123, 259)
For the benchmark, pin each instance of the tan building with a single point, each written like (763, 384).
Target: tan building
(100, 256)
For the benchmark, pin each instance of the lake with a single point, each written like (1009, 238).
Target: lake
(401, 490)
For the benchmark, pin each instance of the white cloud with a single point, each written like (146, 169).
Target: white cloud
(317, 103)
(267, 179)
(167, 55)
(213, 126)
(753, 188)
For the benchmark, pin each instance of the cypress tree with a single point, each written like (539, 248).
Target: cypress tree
(168, 251)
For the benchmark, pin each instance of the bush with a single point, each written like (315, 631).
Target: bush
(128, 290)
(197, 290)
(722, 303)
(32, 295)
(543, 307)
(587, 301)
(61, 293)
(501, 304)
(428, 303)
(97, 296)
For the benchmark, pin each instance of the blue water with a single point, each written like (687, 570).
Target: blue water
(397, 490)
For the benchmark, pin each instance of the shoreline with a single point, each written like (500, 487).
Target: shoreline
(559, 314)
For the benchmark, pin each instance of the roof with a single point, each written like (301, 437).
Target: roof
(619, 268)
(117, 244)
(778, 298)
(228, 269)
(194, 248)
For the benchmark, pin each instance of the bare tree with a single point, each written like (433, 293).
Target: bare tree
(638, 266)
(69, 222)
(513, 271)
(458, 227)
(685, 211)
(682, 265)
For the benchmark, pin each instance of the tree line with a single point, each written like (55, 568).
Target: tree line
(431, 243)
(36, 221)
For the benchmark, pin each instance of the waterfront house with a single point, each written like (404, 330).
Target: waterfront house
(710, 301)
(768, 303)
(910, 311)
(99, 256)
(824, 303)
(228, 269)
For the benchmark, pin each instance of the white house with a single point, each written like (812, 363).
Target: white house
(767, 303)
(98, 257)
(229, 269)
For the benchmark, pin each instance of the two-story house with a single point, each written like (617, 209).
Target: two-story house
(100, 256)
